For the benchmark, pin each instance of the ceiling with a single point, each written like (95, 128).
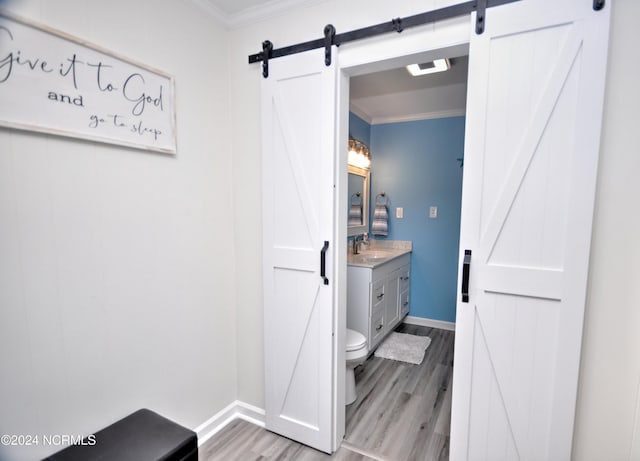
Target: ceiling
(394, 95)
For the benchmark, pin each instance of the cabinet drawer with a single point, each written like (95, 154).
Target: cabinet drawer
(404, 303)
(377, 297)
(377, 330)
(404, 277)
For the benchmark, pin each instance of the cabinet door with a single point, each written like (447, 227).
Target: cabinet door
(376, 316)
(403, 288)
(404, 303)
(391, 311)
(378, 297)
(376, 328)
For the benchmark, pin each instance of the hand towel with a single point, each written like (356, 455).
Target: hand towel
(355, 214)
(380, 225)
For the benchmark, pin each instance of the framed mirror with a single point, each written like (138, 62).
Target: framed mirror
(358, 201)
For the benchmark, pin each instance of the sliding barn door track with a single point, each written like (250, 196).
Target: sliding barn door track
(395, 25)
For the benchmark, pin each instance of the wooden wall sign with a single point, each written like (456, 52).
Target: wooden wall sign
(54, 83)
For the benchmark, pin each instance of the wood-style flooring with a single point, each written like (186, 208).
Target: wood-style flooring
(402, 413)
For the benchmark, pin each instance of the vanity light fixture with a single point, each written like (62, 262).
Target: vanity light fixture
(439, 65)
(358, 154)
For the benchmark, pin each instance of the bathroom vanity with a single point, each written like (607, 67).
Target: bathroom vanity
(378, 282)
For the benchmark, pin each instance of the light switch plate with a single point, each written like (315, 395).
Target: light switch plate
(433, 212)
(399, 212)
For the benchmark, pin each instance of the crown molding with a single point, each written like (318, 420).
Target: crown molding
(211, 9)
(268, 10)
(353, 107)
(418, 117)
(252, 14)
(379, 120)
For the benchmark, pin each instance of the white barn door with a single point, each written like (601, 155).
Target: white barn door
(536, 86)
(298, 118)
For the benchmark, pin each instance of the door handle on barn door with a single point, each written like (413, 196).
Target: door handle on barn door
(323, 262)
(466, 266)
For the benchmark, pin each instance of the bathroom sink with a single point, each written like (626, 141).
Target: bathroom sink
(371, 256)
(375, 254)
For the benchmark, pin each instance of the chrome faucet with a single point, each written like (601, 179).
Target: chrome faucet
(356, 248)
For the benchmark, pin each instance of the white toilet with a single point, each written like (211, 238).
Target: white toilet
(356, 354)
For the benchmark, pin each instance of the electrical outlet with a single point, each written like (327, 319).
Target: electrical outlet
(399, 212)
(433, 212)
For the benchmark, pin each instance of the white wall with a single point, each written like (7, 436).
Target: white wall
(116, 265)
(610, 369)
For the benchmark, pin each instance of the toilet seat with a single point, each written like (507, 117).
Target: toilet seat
(355, 340)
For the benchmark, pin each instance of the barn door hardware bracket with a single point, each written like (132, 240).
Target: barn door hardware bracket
(481, 11)
(329, 35)
(397, 24)
(267, 49)
(598, 4)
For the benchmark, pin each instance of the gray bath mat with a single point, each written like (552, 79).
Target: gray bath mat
(404, 347)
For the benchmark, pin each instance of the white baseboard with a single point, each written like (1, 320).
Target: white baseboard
(441, 324)
(232, 411)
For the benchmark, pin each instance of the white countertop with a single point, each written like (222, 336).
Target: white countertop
(378, 252)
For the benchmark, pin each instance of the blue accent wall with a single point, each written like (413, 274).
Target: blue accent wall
(416, 164)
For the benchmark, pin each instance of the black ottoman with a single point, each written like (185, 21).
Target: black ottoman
(141, 436)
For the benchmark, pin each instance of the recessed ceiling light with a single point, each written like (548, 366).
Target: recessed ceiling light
(439, 65)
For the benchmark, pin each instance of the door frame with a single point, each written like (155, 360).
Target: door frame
(443, 39)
